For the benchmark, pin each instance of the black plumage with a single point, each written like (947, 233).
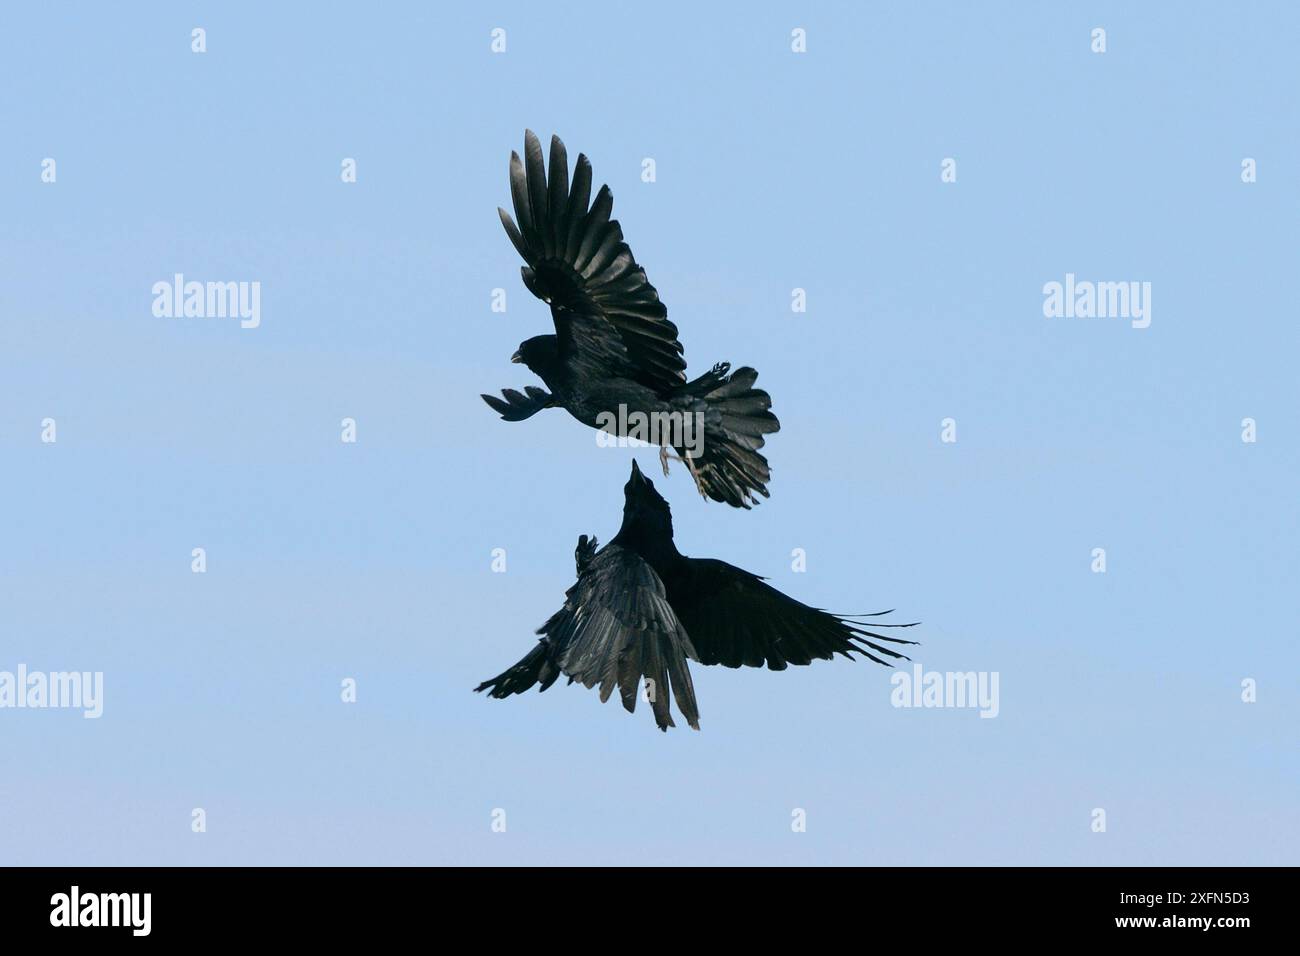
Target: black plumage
(614, 346)
(642, 609)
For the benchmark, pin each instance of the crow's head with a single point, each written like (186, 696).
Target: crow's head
(644, 509)
(541, 354)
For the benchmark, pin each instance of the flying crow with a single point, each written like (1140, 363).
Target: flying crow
(640, 608)
(614, 361)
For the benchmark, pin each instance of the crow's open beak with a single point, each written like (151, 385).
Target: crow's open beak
(516, 358)
(637, 478)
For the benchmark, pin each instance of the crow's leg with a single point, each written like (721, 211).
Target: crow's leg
(699, 483)
(665, 456)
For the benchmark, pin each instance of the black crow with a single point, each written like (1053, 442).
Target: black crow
(640, 607)
(614, 361)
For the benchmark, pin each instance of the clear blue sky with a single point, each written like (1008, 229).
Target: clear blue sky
(774, 171)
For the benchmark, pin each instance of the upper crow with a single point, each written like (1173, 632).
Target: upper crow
(640, 607)
(615, 362)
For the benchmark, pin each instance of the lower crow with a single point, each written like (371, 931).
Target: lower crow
(640, 608)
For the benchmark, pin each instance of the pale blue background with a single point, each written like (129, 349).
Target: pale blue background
(774, 171)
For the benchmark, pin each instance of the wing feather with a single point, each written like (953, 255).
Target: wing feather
(517, 407)
(577, 260)
(616, 628)
(736, 619)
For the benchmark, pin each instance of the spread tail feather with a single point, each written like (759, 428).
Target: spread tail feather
(737, 416)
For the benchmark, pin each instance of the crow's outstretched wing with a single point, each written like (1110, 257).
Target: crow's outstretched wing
(579, 263)
(735, 618)
(616, 626)
(541, 664)
(517, 407)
